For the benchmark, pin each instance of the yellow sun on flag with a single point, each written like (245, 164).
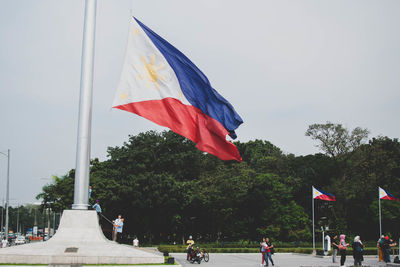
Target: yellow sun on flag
(316, 193)
(123, 96)
(150, 71)
(136, 31)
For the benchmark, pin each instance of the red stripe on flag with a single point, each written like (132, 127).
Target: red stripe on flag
(188, 121)
(325, 197)
(387, 197)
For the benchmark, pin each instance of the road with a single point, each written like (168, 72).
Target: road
(280, 260)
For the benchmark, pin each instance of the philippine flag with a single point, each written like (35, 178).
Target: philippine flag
(318, 194)
(383, 194)
(161, 84)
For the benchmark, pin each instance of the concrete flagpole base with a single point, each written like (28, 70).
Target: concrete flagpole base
(79, 240)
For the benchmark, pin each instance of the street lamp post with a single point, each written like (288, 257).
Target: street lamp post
(17, 218)
(7, 189)
(2, 218)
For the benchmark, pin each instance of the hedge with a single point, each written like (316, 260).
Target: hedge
(302, 250)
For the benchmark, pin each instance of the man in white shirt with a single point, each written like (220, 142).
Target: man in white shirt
(136, 242)
(4, 242)
(119, 224)
(115, 222)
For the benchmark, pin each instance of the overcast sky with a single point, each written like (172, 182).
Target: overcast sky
(283, 65)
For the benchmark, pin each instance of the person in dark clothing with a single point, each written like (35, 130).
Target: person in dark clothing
(342, 248)
(269, 251)
(335, 245)
(358, 248)
(386, 244)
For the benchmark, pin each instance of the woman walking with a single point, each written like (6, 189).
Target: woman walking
(342, 248)
(262, 250)
(358, 247)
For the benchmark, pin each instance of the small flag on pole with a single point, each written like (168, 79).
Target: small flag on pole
(383, 194)
(318, 194)
(161, 84)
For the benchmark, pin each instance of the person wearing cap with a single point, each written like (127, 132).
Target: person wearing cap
(97, 207)
(189, 247)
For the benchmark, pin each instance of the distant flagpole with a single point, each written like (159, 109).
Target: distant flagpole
(81, 187)
(313, 230)
(380, 216)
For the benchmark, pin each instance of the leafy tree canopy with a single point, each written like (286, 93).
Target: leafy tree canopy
(166, 189)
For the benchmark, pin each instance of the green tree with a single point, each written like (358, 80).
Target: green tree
(334, 139)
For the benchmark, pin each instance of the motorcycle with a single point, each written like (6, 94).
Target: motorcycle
(194, 255)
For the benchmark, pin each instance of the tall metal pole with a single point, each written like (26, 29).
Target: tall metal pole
(380, 216)
(35, 225)
(2, 218)
(8, 191)
(48, 222)
(313, 230)
(17, 216)
(81, 189)
(54, 222)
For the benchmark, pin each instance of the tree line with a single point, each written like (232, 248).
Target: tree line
(166, 189)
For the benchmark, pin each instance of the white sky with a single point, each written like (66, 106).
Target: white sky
(283, 65)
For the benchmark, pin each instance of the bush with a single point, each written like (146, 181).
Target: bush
(302, 250)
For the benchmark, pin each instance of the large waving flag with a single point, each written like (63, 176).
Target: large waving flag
(318, 194)
(383, 194)
(161, 84)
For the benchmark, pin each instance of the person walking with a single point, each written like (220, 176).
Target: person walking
(136, 242)
(358, 248)
(335, 245)
(387, 244)
(262, 250)
(380, 249)
(4, 242)
(342, 249)
(119, 224)
(115, 222)
(268, 251)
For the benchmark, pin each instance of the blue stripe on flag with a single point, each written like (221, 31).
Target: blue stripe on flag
(195, 85)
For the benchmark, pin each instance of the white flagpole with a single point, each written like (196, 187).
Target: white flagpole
(81, 188)
(380, 216)
(313, 230)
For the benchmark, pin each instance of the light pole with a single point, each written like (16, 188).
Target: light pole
(17, 217)
(47, 211)
(2, 218)
(7, 188)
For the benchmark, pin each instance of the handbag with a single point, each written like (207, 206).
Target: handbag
(341, 247)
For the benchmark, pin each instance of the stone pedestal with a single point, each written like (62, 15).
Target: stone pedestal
(79, 240)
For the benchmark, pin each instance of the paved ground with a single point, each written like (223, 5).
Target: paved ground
(280, 260)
